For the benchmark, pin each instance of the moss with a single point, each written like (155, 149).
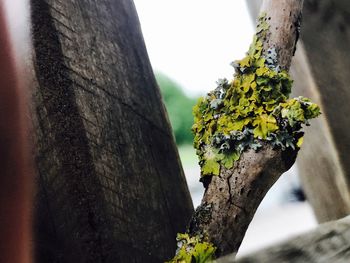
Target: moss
(195, 249)
(251, 108)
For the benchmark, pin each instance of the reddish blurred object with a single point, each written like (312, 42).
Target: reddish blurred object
(15, 164)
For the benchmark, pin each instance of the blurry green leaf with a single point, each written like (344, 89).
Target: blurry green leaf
(193, 250)
(264, 124)
(211, 167)
(260, 62)
(229, 159)
(203, 252)
(262, 81)
(253, 106)
(312, 111)
(244, 62)
(262, 71)
(179, 107)
(300, 141)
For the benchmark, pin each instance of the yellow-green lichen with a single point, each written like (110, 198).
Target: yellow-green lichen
(252, 108)
(195, 249)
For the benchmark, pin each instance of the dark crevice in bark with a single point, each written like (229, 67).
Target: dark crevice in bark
(229, 189)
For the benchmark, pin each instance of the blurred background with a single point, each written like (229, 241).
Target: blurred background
(191, 45)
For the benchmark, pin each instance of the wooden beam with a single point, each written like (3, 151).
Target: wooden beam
(110, 184)
(322, 161)
(327, 243)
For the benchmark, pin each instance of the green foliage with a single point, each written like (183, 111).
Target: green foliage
(253, 107)
(264, 125)
(179, 108)
(211, 166)
(193, 250)
(299, 110)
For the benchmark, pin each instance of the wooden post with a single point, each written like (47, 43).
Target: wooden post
(326, 41)
(323, 161)
(110, 184)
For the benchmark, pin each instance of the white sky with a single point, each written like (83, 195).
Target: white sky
(17, 12)
(194, 41)
(191, 41)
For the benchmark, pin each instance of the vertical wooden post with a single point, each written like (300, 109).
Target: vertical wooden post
(111, 186)
(320, 72)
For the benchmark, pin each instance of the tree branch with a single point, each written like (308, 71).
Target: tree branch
(232, 197)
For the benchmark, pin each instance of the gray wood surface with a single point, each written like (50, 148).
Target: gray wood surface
(329, 243)
(326, 39)
(110, 184)
(320, 71)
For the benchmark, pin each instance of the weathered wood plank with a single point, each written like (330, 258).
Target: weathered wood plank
(110, 186)
(322, 162)
(328, 243)
(326, 39)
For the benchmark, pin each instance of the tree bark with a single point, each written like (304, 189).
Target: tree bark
(328, 243)
(323, 167)
(110, 184)
(231, 199)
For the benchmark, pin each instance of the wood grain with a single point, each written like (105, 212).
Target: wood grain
(327, 243)
(111, 187)
(319, 70)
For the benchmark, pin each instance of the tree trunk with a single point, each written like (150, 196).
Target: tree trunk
(323, 167)
(110, 184)
(232, 197)
(328, 243)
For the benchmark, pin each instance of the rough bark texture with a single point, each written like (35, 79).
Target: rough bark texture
(110, 185)
(328, 243)
(320, 72)
(231, 199)
(284, 19)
